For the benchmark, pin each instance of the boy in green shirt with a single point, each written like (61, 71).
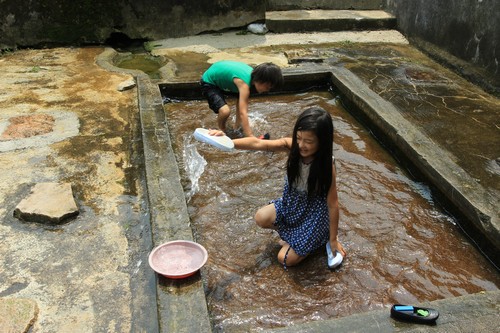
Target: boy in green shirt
(236, 77)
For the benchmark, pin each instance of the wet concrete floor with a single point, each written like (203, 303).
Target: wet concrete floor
(91, 274)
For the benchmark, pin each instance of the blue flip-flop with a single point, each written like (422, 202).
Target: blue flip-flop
(414, 314)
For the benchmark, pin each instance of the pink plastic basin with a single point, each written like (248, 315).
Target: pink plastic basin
(178, 259)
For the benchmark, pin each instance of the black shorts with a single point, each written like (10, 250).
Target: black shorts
(214, 96)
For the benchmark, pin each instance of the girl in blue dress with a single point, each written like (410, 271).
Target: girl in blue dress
(307, 215)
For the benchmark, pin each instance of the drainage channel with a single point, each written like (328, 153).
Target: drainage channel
(182, 304)
(467, 200)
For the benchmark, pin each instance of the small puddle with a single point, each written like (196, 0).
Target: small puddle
(402, 248)
(144, 62)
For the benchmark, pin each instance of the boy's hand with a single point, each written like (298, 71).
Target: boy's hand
(265, 136)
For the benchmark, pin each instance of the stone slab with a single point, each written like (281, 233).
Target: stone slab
(17, 315)
(47, 203)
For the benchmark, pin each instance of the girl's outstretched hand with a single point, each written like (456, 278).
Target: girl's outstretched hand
(337, 246)
(216, 132)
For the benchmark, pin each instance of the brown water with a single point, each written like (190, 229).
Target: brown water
(401, 247)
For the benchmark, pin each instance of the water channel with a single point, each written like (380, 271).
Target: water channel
(402, 247)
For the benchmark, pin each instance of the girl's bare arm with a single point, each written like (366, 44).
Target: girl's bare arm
(253, 143)
(333, 211)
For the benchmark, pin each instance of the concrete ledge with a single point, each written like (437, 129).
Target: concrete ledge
(328, 20)
(476, 313)
(323, 4)
(181, 303)
(296, 80)
(209, 43)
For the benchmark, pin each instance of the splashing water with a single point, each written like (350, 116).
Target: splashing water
(194, 165)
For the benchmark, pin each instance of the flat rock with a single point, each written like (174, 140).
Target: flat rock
(126, 85)
(17, 315)
(47, 203)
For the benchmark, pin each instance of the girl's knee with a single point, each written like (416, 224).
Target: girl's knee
(288, 257)
(266, 216)
(260, 218)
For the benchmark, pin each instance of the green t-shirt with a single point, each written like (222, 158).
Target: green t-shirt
(222, 73)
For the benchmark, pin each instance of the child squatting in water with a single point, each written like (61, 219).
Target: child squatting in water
(234, 77)
(307, 214)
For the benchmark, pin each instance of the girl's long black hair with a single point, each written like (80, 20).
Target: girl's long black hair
(318, 121)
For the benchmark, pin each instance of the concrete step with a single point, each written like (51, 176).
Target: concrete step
(328, 20)
(324, 4)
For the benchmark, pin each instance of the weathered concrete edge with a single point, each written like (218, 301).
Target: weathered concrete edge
(283, 24)
(182, 304)
(469, 313)
(469, 197)
(325, 4)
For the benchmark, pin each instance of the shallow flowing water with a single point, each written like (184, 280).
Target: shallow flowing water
(402, 248)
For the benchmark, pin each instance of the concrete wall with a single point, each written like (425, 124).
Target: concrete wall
(33, 23)
(467, 29)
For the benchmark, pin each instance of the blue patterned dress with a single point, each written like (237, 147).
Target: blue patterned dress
(301, 221)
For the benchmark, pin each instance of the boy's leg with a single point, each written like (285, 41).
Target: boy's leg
(266, 216)
(216, 102)
(222, 116)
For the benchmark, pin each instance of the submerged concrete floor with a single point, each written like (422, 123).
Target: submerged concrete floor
(91, 273)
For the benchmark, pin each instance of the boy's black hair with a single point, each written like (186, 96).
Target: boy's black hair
(318, 121)
(268, 73)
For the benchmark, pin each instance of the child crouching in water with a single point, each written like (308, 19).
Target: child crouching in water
(307, 215)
